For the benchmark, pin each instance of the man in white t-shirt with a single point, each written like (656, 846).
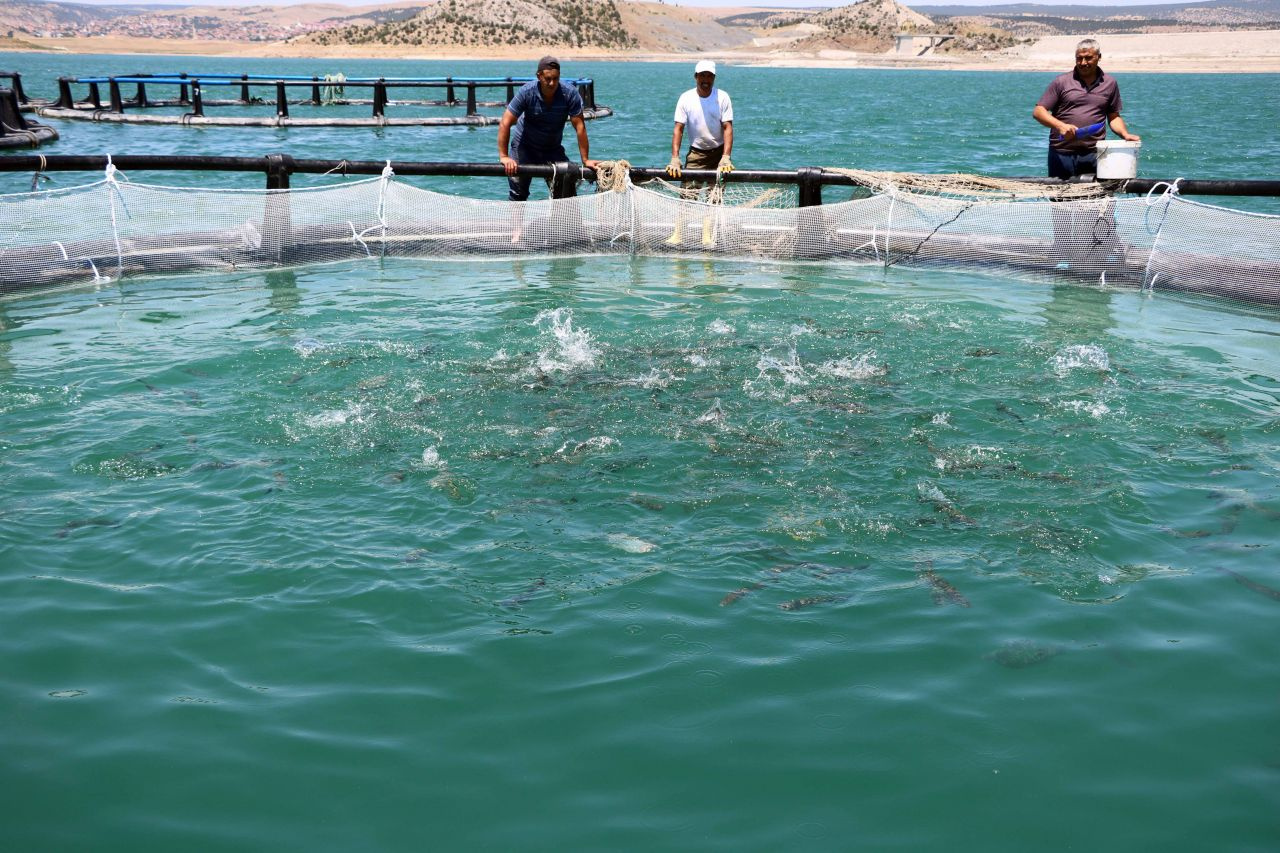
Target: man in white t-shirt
(708, 114)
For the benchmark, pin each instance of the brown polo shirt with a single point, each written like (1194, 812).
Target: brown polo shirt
(1068, 99)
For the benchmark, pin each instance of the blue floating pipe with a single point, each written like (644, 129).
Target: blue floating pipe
(236, 79)
(1082, 132)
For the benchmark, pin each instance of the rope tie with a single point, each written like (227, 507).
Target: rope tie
(113, 193)
(35, 179)
(355, 235)
(387, 174)
(613, 176)
(1168, 195)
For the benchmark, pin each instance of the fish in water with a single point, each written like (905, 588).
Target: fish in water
(646, 502)
(822, 571)
(1005, 410)
(96, 521)
(739, 593)
(515, 601)
(1020, 654)
(1261, 589)
(1188, 534)
(809, 601)
(934, 496)
(982, 352)
(942, 590)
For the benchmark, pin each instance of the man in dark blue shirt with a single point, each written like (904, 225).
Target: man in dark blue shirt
(539, 112)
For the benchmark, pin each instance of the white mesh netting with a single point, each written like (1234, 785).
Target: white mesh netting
(115, 228)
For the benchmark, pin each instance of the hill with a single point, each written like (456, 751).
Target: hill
(492, 23)
(527, 27)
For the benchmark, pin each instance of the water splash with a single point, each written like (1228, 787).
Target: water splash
(1081, 357)
(574, 348)
(862, 367)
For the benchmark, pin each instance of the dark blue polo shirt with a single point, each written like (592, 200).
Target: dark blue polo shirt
(539, 127)
(1069, 99)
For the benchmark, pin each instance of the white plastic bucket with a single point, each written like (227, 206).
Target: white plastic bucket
(1117, 159)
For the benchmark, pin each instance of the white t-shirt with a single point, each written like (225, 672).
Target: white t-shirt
(703, 117)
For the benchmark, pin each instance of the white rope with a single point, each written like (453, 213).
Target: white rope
(113, 191)
(355, 235)
(387, 175)
(1167, 196)
(888, 223)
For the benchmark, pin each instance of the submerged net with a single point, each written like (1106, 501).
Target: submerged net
(115, 228)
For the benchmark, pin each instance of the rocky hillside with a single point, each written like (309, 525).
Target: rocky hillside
(493, 23)
(868, 26)
(1035, 20)
(646, 26)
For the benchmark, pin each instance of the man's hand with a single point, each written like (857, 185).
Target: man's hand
(1068, 132)
(509, 164)
(1132, 137)
(673, 168)
(726, 165)
(590, 164)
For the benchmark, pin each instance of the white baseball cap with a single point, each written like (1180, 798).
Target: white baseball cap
(704, 65)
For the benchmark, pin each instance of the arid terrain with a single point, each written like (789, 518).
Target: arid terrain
(873, 33)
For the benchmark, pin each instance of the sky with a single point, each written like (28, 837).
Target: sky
(722, 3)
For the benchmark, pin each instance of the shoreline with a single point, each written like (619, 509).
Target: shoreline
(1212, 52)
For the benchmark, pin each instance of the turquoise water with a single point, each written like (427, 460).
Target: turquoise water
(641, 554)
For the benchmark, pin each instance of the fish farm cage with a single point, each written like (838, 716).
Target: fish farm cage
(144, 98)
(16, 130)
(1141, 233)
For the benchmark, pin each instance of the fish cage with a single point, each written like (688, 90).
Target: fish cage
(1141, 233)
(16, 130)
(181, 99)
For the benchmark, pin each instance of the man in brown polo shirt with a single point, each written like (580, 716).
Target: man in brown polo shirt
(1077, 107)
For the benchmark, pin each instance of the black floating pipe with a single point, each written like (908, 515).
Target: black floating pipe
(11, 118)
(282, 99)
(197, 100)
(809, 182)
(15, 79)
(117, 103)
(564, 182)
(279, 168)
(1235, 188)
(96, 162)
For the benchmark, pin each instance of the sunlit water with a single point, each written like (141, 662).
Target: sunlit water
(635, 554)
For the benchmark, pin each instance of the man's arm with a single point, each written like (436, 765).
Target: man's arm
(584, 147)
(1118, 125)
(1041, 114)
(673, 168)
(726, 165)
(504, 140)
